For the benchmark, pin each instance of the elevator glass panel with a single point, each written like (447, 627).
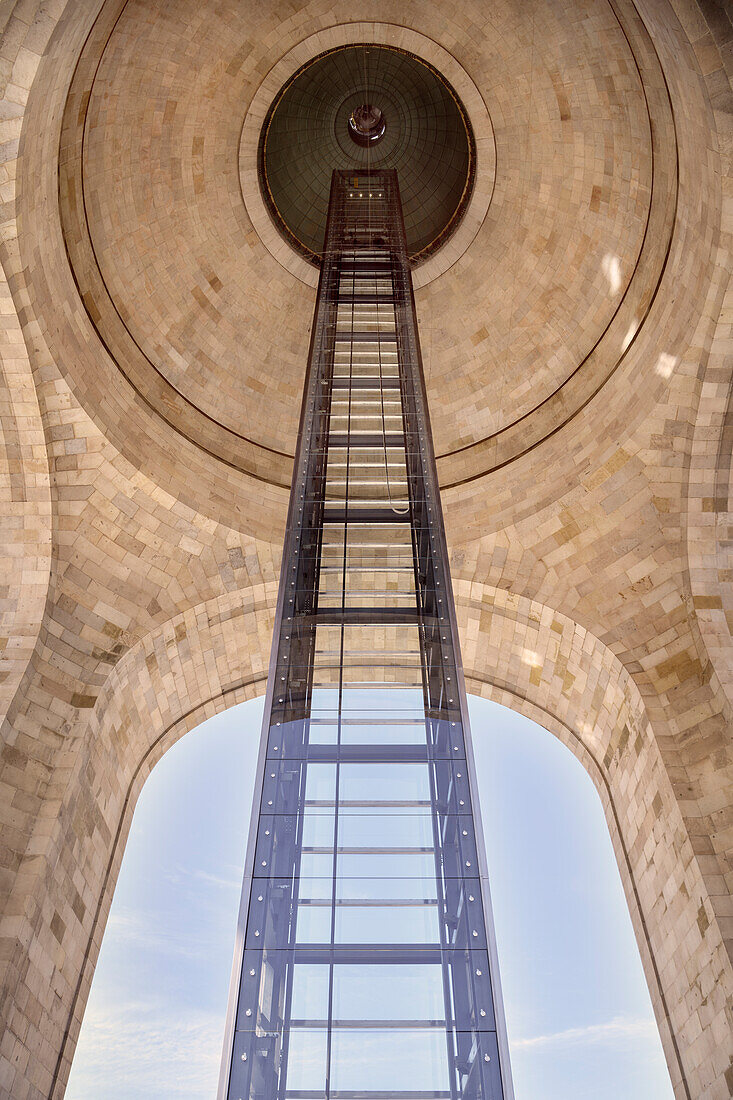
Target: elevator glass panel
(366, 966)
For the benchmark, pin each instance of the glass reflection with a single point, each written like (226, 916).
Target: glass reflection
(365, 969)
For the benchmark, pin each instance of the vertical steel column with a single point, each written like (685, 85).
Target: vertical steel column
(366, 967)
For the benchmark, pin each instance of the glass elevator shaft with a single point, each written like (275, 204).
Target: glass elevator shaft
(365, 965)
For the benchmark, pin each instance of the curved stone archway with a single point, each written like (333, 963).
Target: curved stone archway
(710, 503)
(590, 562)
(25, 501)
(526, 656)
(215, 656)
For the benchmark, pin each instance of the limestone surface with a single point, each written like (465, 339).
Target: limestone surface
(577, 337)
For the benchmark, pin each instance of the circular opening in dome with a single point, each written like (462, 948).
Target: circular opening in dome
(332, 113)
(366, 125)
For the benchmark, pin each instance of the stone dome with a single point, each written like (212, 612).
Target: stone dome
(204, 321)
(576, 337)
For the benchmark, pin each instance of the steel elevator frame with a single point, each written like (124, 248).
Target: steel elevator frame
(366, 818)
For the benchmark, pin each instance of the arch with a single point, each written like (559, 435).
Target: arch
(25, 491)
(517, 649)
(709, 506)
(215, 655)
(25, 500)
(122, 978)
(537, 661)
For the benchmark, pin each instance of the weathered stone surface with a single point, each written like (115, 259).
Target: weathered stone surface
(579, 357)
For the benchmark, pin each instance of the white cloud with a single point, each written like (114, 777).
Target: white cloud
(217, 880)
(619, 1029)
(138, 1049)
(190, 878)
(152, 932)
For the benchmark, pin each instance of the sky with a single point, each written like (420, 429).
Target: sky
(578, 1011)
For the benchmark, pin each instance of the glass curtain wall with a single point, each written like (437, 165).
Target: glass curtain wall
(365, 964)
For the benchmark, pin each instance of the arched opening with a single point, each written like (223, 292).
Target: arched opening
(579, 1013)
(58, 901)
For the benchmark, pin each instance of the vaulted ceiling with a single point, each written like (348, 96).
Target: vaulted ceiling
(577, 173)
(576, 333)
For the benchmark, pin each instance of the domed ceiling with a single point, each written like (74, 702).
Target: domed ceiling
(423, 132)
(199, 319)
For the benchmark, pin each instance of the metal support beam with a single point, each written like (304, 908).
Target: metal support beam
(366, 964)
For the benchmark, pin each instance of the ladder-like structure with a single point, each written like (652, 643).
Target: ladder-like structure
(365, 966)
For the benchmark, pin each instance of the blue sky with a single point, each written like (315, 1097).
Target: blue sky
(578, 1011)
